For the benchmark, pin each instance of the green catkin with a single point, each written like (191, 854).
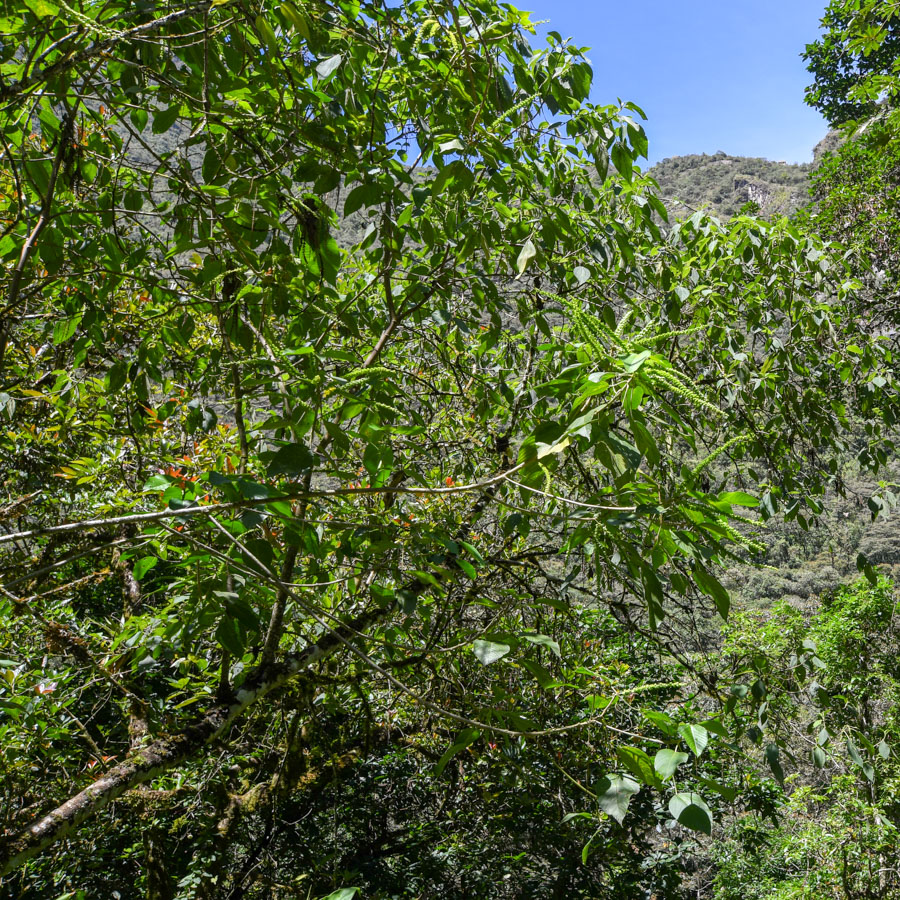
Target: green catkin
(592, 330)
(666, 378)
(721, 519)
(548, 478)
(738, 439)
(603, 342)
(589, 337)
(347, 385)
(511, 112)
(367, 372)
(422, 33)
(624, 322)
(384, 407)
(88, 23)
(666, 335)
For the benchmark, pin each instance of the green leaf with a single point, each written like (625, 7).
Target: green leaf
(855, 755)
(623, 161)
(297, 19)
(639, 764)
(738, 498)
(634, 361)
(452, 178)
(464, 739)
(164, 119)
(139, 118)
(157, 483)
(691, 811)
(143, 566)
(773, 758)
(712, 587)
(228, 634)
(543, 641)
(628, 453)
(488, 652)
(695, 736)
(543, 677)
(65, 328)
(329, 66)
(292, 460)
(663, 721)
(526, 254)
(614, 794)
(42, 8)
(342, 894)
(667, 761)
(267, 33)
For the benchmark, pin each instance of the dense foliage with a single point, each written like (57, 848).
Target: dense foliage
(854, 61)
(394, 563)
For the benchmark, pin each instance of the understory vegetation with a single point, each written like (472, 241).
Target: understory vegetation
(406, 495)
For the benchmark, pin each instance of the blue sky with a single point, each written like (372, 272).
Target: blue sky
(710, 74)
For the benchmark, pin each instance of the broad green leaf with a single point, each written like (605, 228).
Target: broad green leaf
(582, 275)
(855, 755)
(143, 566)
(164, 119)
(544, 679)
(691, 811)
(139, 118)
(543, 641)
(292, 460)
(773, 758)
(695, 736)
(489, 652)
(65, 329)
(667, 761)
(329, 66)
(267, 33)
(639, 764)
(342, 894)
(526, 254)
(663, 721)
(623, 161)
(738, 498)
(228, 634)
(297, 19)
(42, 8)
(614, 793)
(712, 587)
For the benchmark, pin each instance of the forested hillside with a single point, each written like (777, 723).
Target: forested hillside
(406, 496)
(727, 185)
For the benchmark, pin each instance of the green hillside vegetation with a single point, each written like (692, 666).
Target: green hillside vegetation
(725, 185)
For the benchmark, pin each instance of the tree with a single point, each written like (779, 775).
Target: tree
(270, 490)
(855, 188)
(855, 192)
(854, 62)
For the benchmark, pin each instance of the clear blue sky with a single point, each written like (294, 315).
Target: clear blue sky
(710, 74)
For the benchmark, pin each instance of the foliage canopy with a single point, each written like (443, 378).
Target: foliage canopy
(274, 500)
